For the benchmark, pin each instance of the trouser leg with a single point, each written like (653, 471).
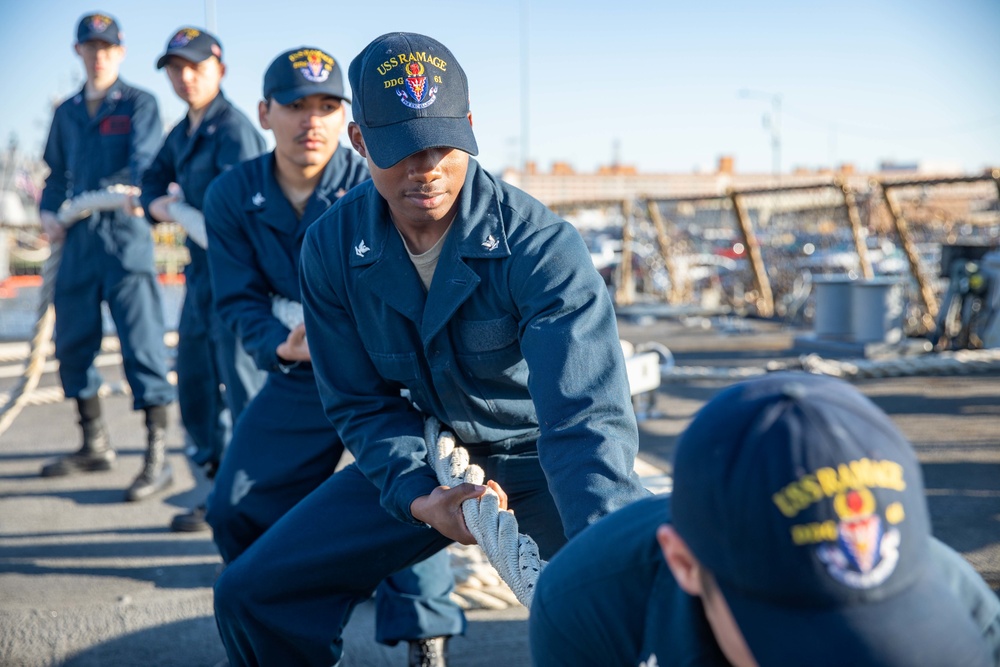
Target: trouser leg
(415, 603)
(136, 307)
(237, 369)
(198, 386)
(287, 599)
(283, 447)
(78, 333)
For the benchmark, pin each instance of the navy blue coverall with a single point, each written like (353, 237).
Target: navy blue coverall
(514, 347)
(107, 256)
(284, 446)
(208, 354)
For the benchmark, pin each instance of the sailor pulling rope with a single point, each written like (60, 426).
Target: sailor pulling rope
(514, 556)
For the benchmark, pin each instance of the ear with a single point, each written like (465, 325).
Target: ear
(262, 109)
(76, 47)
(222, 69)
(357, 140)
(470, 118)
(682, 563)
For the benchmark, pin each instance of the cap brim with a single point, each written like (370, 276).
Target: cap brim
(180, 53)
(923, 625)
(389, 144)
(289, 95)
(100, 37)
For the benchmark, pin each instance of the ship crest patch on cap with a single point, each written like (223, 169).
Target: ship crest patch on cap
(183, 37)
(314, 65)
(857, 549)
(864, 553)
(416, 94)
(99, 22)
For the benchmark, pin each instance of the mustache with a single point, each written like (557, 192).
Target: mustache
(312, 135)
(424, 190)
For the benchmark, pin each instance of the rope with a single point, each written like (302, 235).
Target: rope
(513, 555)
(41, 336)
(72, 211)
(958, 362)
(287, 312)
(191, 219)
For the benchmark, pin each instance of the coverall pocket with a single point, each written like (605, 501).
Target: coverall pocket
(490, 349)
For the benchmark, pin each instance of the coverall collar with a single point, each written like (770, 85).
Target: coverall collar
(477, 232)
(272, 206)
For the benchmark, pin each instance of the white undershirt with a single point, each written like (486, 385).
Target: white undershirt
(426, 262)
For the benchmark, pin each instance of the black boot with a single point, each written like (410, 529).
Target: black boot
(190, 522)
(156, 474)
(95, 454)
(432, 652)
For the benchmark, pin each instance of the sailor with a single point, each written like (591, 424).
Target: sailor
(212, 137)
(437, 279)
(797, 533)
(105, 135)
(283, 446)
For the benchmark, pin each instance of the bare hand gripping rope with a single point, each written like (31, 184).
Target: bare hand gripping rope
(515, 556)
(72, 211)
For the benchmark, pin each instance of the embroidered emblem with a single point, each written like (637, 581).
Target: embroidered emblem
(416, 94)
(258, 199)
(361, 249)
(312, 64)
(241, 486)
(183, 38)
(864, 553)
(491, 243)
(99, 22)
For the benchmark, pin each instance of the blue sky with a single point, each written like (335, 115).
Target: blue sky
(654, 84)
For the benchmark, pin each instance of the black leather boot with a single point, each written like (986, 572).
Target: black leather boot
(156, 474)
(431, 652)
(95, 454)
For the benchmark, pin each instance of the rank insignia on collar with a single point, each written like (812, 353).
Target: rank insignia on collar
(258, 199)
(361, 249)
(491, 243)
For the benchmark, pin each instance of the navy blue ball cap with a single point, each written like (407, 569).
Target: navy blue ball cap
(807, 504)
(192, 44)
(410, 94)
(98, 27)
(301, 72)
